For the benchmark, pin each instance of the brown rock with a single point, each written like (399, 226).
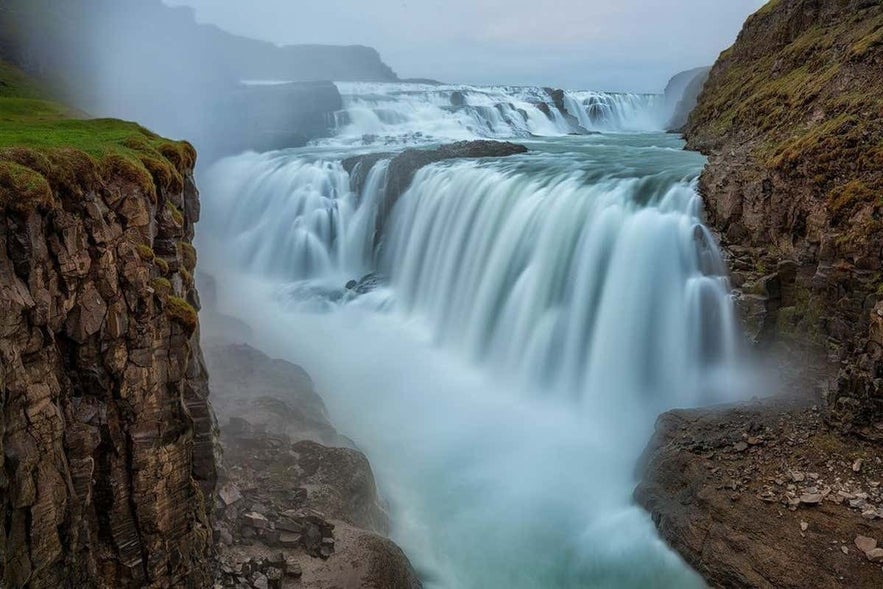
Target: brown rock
(865, 544)
(106, 435)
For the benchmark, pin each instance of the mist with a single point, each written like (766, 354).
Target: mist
(599, 45)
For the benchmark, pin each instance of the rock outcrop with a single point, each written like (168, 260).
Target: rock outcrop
(766, 497)
(403, 166)
(290, 511)
(786, 493)
(106, 437)
(791, 119)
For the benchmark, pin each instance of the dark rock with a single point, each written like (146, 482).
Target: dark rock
(106, 435)
(368, 283)
(405, 165)
(813, 193)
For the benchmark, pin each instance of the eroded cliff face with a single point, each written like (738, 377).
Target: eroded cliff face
(106, 435)
(791, 119)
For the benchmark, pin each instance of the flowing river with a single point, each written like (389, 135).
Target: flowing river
(522, 321)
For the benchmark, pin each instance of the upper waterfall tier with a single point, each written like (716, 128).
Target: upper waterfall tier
(415, 113)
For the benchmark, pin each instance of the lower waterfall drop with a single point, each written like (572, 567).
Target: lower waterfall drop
(527, 320)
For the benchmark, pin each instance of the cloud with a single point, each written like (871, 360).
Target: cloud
(618, 45)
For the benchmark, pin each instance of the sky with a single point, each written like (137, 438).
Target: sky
(624, 45)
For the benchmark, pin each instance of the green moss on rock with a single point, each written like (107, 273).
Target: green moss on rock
(187, 254)
(182, 313)
(74, 154)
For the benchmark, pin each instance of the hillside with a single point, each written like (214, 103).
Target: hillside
(785, 491)
(792, 121)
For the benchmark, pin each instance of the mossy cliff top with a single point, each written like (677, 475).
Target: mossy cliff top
(48, 150)
(803, 88)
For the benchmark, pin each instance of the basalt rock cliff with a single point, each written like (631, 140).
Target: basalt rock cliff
(786, 492)
(791, 119)
(106, 436)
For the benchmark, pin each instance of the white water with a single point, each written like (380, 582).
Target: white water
(408, 113)
(539, 312)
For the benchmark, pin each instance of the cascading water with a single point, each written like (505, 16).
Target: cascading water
(403, 113)
(536, 313)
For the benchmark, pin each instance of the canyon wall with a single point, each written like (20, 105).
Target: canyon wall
(791, 119)
(107, 466)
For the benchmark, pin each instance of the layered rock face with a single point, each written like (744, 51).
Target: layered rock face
(106, 435)
(791, 119)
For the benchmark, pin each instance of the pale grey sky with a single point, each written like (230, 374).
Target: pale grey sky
(629, 45)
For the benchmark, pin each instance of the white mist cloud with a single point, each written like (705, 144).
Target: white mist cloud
(616, 45)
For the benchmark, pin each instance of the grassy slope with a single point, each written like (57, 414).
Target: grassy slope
(812, 106)
(47, 149)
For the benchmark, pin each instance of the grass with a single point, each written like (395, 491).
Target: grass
(48, 149)
(182, 313)
(812, 109)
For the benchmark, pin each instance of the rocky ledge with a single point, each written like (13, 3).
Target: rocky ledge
(766, 495)
(403, 166)
(290, 511)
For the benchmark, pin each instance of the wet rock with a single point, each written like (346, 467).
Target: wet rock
(404, 166)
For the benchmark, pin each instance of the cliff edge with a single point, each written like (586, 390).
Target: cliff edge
(786, 492)
(791, 119)
(106, 437)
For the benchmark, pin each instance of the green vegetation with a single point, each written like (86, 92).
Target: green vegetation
(47, 149)
(175, 214)
(162, 265)
(182, 313)
(161, 287)
(812, 109)
(145, 252)
(187, 254)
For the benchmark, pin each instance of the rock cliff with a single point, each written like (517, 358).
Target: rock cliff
(791, 119)
(786, 492)
(106, 436)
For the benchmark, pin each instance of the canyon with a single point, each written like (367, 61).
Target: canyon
(419, 303)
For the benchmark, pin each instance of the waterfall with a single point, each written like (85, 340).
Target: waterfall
(516, 325)
(409, 113)
(562, 280)
(555, 275)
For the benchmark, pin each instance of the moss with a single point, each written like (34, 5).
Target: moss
(175, 213)
(186, 277)
(849, 195)
(74, 154)
(187, 254)
(182, 313)
(162, 265)
(145, 252)
(804, 320)
(162, 288)
(21, 188)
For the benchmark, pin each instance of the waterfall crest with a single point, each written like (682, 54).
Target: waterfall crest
(413, 113)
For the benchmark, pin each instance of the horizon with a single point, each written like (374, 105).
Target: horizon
(629, 47)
